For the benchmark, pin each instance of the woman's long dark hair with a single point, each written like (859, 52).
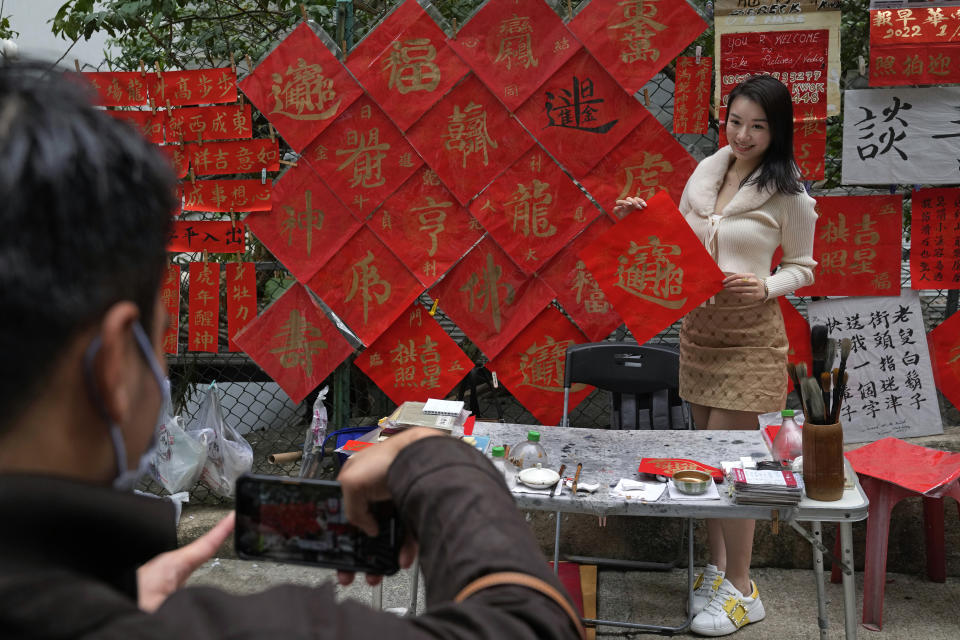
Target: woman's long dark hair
(778, 168)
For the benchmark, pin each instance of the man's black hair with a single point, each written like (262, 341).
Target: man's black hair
(85, 211)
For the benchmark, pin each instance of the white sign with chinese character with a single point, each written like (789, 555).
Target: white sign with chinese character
(901, 136)
(890, 391)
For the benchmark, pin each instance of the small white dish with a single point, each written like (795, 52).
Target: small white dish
(538, 477)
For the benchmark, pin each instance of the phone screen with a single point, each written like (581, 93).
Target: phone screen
(297, 520)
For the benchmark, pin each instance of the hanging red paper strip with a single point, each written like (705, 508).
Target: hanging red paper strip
(405, 64)
(294, 342)
(634, 39)
(857, 246)
(236, 156)
(150, 125)
(652, 267)
(226, 195)
(513, 47)
(204, 311)
(179, 158)
(533, 209)
(170, 299)
(944, 343)
(366, 285)
(935, 239)
(648, 160)
(580, 113)
(468, 138)
(425, 226)
(914, 46)
(809, 141)
(306, 224)
(414, 359)
(194, 86)
(691, 95)
(300, 87)
(363, 157)
(241, 286)
(210, 123)
(798, 336)
(577, 291)
(490, 298)
(215, 237)
(119, 88)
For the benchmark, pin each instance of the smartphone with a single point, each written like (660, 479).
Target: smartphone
(297, 520)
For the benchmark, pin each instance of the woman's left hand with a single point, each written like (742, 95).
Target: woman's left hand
(748, 286)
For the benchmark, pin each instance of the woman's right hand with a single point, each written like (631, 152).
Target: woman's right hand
(628, 205)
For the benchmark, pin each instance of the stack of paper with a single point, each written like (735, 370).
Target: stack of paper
(752, 486)
(412, 414)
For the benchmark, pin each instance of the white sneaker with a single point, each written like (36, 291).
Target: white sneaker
(728, 611)
(705, 587)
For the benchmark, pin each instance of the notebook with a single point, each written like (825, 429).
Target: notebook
(436, 407)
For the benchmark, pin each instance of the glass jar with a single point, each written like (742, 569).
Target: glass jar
(529, 453)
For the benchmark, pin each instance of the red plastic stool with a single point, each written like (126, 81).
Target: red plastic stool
(918, 471)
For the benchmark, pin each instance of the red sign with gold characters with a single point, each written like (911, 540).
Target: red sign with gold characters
(490, 298)
(944, 342)
(179, 158)
(365, 285)
(580, 114)
(120, 88)
(210, 123)
(204, 311)
(935, 239)
(425, 226)
(307, 223)
(241, 298)
(194, 86)
(691, 94)
(513, 46)
(170, 299)
(235, 156)
(215, 237)
(652, 267)
(414, 359)
(634, 39)
(533, 210)
(363, 157)
(533, 364)
(226, 195)
(798, 336)
(300, 87)
(150, 125)
(405, 63)
(468, 138)
(914, 46)
(294, 342)
(857, 246)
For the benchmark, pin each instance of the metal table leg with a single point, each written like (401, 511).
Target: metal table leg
(376, 600)
(822, 621)
(556, 546)
(849, 584)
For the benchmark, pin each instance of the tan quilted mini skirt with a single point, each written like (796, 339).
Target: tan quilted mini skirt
(734, 356)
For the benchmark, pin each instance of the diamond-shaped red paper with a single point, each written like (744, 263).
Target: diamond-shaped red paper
(363, 157)
(405, 63)
(513, 46)
(577, 290)
(425, 226)
(294, 342)
(636, 39)
(533, 209)
(648, 160)
(468, 138)
(300, 87)
(944, 343)
(306, 225)
(490, 298)
(580, 113)
(366, 285)
(533, 364)
(414, 359)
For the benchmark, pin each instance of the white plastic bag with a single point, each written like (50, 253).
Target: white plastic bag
(315, 436)
(229, 455)
(179, 456)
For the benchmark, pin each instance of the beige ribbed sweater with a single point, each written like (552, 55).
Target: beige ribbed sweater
(743, 237)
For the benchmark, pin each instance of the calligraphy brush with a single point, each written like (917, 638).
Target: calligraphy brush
(841, 385)
(838, 394)
(792, 372)
(825, 389)
(818, 348)
(576, 478)
(814, 401)
(831, 354)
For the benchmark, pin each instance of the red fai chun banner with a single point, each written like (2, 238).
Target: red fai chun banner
(226, 195)
(425, 226)
(577, 291)
(652, 267)
(634, 39)
(468, 138)
(414, 359)
(366, 285)
(944, 343)
(170, 299)
(363, 157)
(532, 366)
(120, 88)
(194, 86)
(300, 87)
(238, 156)
(691, 94)
(306, 225)
(580, 113)
(513, 46)
(204, 311)
(215, 237)
(210, 123)
(857, 246)
(149, 124)
(533, 209)
(179, 158)
(405, 64)
(935, 239)
(241, 298)
(490, 298)
(914, 46)
(294, 342)
(798, 336)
